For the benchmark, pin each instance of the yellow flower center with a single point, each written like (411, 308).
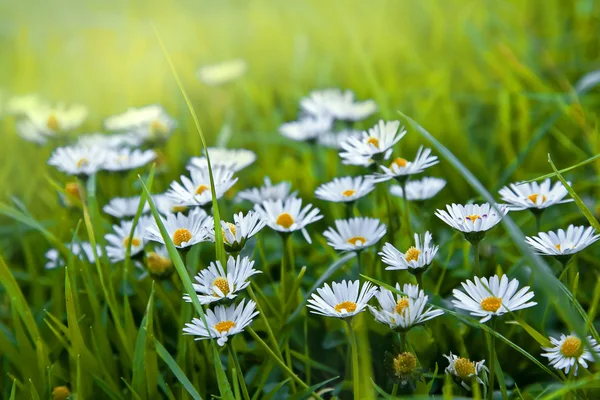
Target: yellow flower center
(202, 188)
(473, 217)
(412, 254)
(464, 367)
(157, 127)
(134, 242)
(399, 162)
(179, 209)
(52, 123)
(404, 363)
(72, 188)
(222, 284)
(348, 192)
(157, 264)
(534, 197)
(491, 304)
(285, 220)
(402, 305)
(357, 240)
(224, 326)
(60, 393)
(348, 306)
(557, 247)
(82, 162)
(232, 229)
(571, 347)
(181, 235)
(374, 141)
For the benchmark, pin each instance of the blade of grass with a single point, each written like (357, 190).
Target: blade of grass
(179, 374)
(139, 355)
(562, 171)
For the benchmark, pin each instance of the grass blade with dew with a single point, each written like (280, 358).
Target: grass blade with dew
(179, 374)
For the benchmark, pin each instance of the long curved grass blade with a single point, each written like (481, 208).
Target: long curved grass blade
(303, 394)
(562, 171)
(139, 355)
(179, 374)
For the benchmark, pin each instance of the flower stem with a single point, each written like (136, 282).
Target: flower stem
(236, 363)
(538, 221)
(354, 349)
(419, 276)
(476, 259)
(406, 210)
(286, 267)
(490, 393)
(402, 341)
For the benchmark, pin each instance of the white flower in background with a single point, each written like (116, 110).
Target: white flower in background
(279, 191)
(195, 191)
(376, 143)
(355, 234)
(215, 284)
(419, 190)
(402, 168)
(534, 195)
(306, 128)
(337, 104)
(570, 351)
(127, 159)
(81, 250)
(222, 72)
(417, 257)
(237, 233)
(28, 131)
(562, 243)
(150, 122)
(111, 142)
(184, 231)
(118, 240)
(288, 215)
(402, 312)
(166, 205)
(233, 159)
(345, 189)
(494, 297)
(78, 160)
(341, 300)
(466, 370)
(158, 262)
(334, 140)
(472, 217)
(21, 105)
(124, 207)
(222, 322)
(51, 121)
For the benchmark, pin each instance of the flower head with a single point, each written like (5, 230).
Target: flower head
(377, 142)
(334, 140)
(78, 160)
(81, 250)
(196, 191)
(341, 300)
(151, 123)
(220, 157)
(288, 215)
(237, 233)
(337, 104)
(419, 190)
(355, 234)
(159, 263)
(466, 370)
(306, 129)
(222, 72)
(472, 218)
(570, 351)
(400, 167)
(124, 207)
(44, 122)
(127, 159)
(561, 243)
(345, 189)
(268, 191)
(118, 241)
(534, 195)
(416, 257)
(184, 230)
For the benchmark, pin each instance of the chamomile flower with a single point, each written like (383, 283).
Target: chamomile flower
(334, 140)
(124, 207)
(288, 215)
(52, 121)
(222, 72)
(150, 122)
(127, 159)
(223, 322)
(570, 351)
(78, 160)
(184, 231)
(562, 243)
(377, 143)
(28, 131)
(416, 258)
(166, 205)
(81, 250)
(237, 233)
(466, 370)
(195, 191)
(158, 262)
(401, 312)
(306, 129)
(279, 191)
(215, 284)
(494, 297)
(419, 190)
(345, 190)
(337, 104)
(472, 219)
(232, 159)
(355, 234)
(343, 299)
(118, 241)
(402, 168)
(110, 142)
(534, 195)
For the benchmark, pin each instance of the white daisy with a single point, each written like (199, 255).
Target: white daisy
(534, 195)
(111, 142)
(562, 243)
(288, 215)
(569, 351)
(466, 370)
(222, 322)
(355, 234)
(337, 104)
(243, 228)
(402, 168)
(419, 190)
(21, 105)
(52, 121)
(416, 257)
(222, 72)
(233, 159)
(334, 140)
(78, 160)
(183, 230)
(345, 189)
(341, 300)
(195, 191)
(150, 122)
(124, 207)
(158, 262)
(472, 219)
(279, 191)
(166, 205)
(127, 159)
(375, 144)
(401, 312)
(28, 131)
(118, 240)
(215, 284)
(487, 298)
(306, 129)
(81, 250)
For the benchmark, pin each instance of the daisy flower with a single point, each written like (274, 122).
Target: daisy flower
(126, 159)
(306, 129)
(215, 284)
(78, 160)
(417, 257)
(288, 216)
(562, 243)
(268, 191)
(375, 144)
(345, 190)
(337, 104)
(158, 262)
(166, 205)
(466, 370)
(341, 300)
(232, 159)
(21, 105)
(494, 297)
(534, 195)
(81, 250)
(195, 191)
(110, 142)
(52, 121)
(401, 168)
(118, 240)
(184, 231)
(222, 322)
(237, 233)
(150, 122)
(222, 72)
(419, 190)
(28, 131)
(124, 207)
(355, 234)
(569, 351)
(400, 312)
(473, 219)
(334, 140)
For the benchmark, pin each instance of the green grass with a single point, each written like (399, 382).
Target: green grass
(488, 85)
